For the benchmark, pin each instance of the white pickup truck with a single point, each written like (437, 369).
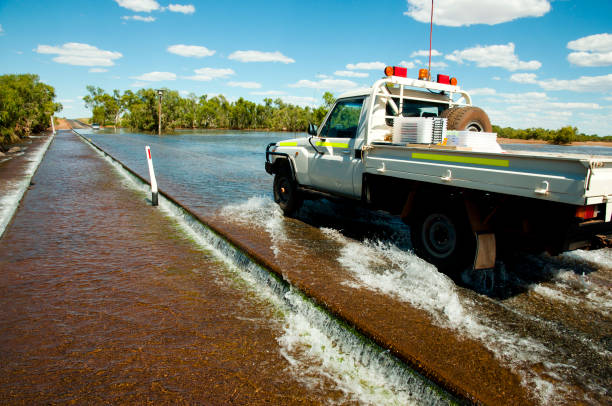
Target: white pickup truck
(463, 205)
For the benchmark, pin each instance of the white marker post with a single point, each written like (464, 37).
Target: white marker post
(152, 176)
(52, 125)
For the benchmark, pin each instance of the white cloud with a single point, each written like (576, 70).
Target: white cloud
(366, 66)
(588, 59)
(98, 70)
(145, 6)
(594, 50)
(245, 85)
(484, 91)
(74, 53)
(138, 84)
(66, 101)
(592, 43)
(194, 51)
(576, 106)
(182, 8)
(269, 93)
(351, 74)
(439, 64)
(408, 65)
(259, 56)
(537, 109)
(501, 56)
(524, 99)
(1, 30)
(416, 64)
(326, 84)
(148, 19)
(206, 74)
(156, 76)
(425, 52)
(321, 76)
(455, 13)
(599, 84)
(299, 100)
(524, 78)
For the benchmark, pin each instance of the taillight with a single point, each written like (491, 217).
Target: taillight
(587, 212)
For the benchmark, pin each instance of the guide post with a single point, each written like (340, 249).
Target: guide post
(152, 177)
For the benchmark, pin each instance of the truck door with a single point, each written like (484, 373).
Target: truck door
(333, 170)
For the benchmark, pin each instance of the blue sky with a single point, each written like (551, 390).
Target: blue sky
(544, 63)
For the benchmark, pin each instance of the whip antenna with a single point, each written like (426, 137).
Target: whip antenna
(430, 34)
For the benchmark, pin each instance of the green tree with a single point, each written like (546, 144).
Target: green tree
(26, 105)
(329, 100)
(139, 111)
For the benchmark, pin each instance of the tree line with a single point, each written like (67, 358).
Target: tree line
(26, 106)
(139, 111)
(561, 136)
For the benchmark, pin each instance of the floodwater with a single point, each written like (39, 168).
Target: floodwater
(546, 319)
(106, 299)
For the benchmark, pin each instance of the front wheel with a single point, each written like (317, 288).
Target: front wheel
(443, 237)
(286, 194)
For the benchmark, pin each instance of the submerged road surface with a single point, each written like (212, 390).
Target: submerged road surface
(104, 301)
(536, 330)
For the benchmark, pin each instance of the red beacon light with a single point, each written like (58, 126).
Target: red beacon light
(396, 71)
(446, 80)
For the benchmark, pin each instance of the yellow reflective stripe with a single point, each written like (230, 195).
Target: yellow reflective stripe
(287, 144)
(461, 159)
(331, 144)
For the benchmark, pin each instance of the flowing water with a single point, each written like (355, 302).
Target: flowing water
(108, 300)
(547, 318)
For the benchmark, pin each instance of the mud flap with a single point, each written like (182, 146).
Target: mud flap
(485, 251)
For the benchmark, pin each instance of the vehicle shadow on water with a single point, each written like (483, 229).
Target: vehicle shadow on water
(515, 273)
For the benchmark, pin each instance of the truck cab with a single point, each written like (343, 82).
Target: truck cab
(330, 160)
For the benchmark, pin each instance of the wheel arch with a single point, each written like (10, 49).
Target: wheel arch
(284, 163)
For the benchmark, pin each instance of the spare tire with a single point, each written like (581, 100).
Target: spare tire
(467, 118)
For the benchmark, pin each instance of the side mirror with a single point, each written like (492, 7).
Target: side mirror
(312, 129)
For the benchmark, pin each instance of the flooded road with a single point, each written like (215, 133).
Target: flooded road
(535, 330)
(106, 299)
(16, 170)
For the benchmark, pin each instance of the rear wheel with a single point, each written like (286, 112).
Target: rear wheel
(286, 194)
(443, 237)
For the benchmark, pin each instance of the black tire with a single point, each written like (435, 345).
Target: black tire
(286, 194)
(443, 237)
(468, 119)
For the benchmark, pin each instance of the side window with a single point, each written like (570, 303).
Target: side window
(344, 119)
